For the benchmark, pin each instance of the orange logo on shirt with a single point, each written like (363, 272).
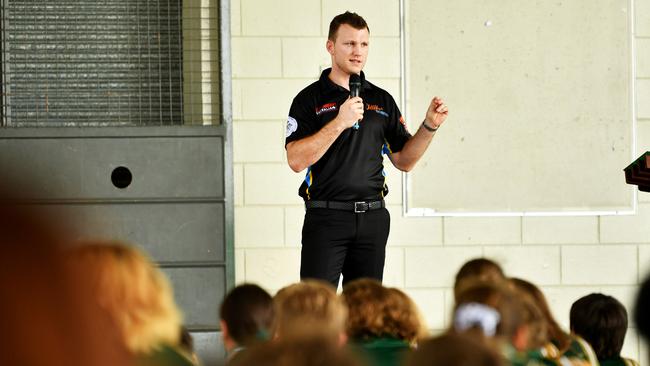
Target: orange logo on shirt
(374, 107)
(403, 122)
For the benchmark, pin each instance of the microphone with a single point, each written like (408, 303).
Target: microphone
(355, 90)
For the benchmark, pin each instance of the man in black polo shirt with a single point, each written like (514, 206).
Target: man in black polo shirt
(340, 140)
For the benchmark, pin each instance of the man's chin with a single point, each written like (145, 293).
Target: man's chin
(355, 69)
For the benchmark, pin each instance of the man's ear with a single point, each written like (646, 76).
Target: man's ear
(329, 45)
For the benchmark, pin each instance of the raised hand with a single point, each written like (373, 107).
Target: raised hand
(437, 112)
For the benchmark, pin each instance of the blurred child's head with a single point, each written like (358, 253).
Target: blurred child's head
(554, 332)
(454, 350)
(602, 321)
(375, 311)
(491, 312)
(309, 309)
(246, 315)
(478, 269)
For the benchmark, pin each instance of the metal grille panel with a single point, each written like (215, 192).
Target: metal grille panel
(111, 62)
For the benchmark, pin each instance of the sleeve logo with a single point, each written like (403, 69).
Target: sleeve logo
(403, 122)
(292, 126)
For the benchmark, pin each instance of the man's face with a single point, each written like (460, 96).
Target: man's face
(349, 50)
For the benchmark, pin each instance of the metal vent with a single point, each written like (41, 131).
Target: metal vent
(107, 63)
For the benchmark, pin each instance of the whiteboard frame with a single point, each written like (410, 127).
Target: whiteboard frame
(431, 212)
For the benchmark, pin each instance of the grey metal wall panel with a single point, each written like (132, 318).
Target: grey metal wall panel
(168, 232)
(162, 167)
(199, 291)
(209, 347)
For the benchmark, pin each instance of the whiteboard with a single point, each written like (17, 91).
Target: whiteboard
(541, 105)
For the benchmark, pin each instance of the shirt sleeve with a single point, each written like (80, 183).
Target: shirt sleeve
(395, 134)
(301, 121)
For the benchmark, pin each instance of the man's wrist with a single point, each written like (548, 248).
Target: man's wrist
(429, 128)
(337, 124)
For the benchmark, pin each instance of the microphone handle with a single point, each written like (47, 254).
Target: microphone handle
(354, 92)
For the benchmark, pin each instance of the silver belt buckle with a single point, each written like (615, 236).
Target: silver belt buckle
(361, 207)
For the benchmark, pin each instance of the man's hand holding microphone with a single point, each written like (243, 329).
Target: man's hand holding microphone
(351, 111)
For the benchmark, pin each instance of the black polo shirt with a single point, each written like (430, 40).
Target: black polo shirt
(352, 169)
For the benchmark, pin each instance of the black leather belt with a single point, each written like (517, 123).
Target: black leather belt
(357, 207)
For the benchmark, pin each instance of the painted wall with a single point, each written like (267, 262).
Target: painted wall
(278, 48)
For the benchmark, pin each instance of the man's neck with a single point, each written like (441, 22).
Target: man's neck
(340, 78)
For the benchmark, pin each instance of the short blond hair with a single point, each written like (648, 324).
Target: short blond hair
(308, 309)
(134, 293)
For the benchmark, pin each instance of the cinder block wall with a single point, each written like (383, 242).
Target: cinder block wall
(278, 47)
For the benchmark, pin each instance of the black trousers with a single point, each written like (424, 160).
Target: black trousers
(336, 242)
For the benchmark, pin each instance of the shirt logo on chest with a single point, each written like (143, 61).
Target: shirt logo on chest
(376, 108)
(326, 108)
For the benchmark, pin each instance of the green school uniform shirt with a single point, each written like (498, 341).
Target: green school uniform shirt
(619, 361)
(382, 351)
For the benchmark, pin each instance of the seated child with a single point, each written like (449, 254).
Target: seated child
(564, 347)
(309, 310)
(454, 349)
(383, 323)
(246, 314)
(602, 321)
(492, 314)
(478, 269)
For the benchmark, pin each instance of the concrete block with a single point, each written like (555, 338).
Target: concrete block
(259, 227)
(394, 267)
(642, 15)
(644, 262)
(265, 99)
(409, 231)
(236, 99)
(644, 353)
(436, 267)
(643, 57)
(599, 265)
(256, 57)
(383, 58)
(273, 268)
(240, 266)
(642, 98)
(560, 299)
(625, 294)
(450, 302)
(642, 145)
(642, 139)
(382, 16)
(259, 141)
(482, 230)
(272, 184)
(235, 17)
(560, 230)
(537, 264)
(238, 175)
(392, 86)
(304, 57)
(631, 345)
(431, 303)
(626, 228)
(294, 216)
(280, 18)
